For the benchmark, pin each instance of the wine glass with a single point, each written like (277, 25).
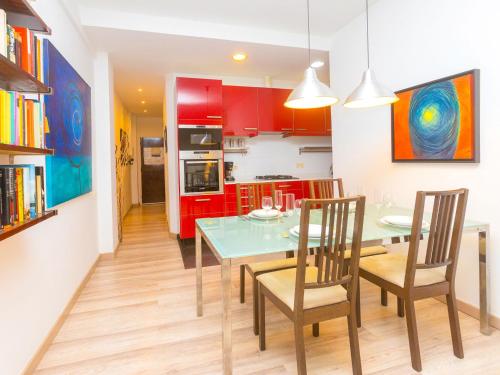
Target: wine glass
(278, 199)
(387, 200)
(289, 204)
(298, 206)
(378, 200)
(267, 203)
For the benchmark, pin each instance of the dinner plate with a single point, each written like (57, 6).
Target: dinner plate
(264, 214)
(314, 231)
(401, 222)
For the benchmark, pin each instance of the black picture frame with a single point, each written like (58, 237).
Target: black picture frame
(476, 106)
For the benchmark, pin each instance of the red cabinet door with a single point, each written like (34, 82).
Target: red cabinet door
(240, 111)
(310, 121)
(273, 115)
(196, 207)
(199, 101)
(329, 121)
(291, 187)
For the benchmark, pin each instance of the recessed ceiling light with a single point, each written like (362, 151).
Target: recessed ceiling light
(143, 102)
(240, 56)
(317, 64)
(139, 89)
(145, 111)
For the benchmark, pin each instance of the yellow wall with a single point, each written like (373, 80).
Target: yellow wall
(123, 121)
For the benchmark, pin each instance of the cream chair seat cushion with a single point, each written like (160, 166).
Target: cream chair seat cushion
(392, 267)
(367, 251)
(272, 265)
(282, 285)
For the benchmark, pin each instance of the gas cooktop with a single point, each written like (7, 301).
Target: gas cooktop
(276, 177)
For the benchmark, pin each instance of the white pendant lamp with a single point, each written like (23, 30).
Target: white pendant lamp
(311, 92)
(369, 93)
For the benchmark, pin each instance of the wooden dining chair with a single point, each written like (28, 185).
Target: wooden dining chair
(411, 280)
(325, 189)
(309, 295)
(248, 198)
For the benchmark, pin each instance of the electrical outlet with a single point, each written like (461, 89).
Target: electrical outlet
(299, 165)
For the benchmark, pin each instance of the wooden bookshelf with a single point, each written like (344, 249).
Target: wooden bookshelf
(14, 229)
(13, 78)
(23, 150)
(20, 13)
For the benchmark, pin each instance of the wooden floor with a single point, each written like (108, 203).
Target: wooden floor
(137, 315)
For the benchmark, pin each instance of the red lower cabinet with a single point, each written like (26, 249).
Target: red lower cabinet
(197, 207)
(291, 187)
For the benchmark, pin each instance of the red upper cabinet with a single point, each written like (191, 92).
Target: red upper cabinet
(310, 121)
(273, 115)
(199, 101)
(241, 111)
(329, 121)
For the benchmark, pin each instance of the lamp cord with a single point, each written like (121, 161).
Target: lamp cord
(308, 34)
(367, 35)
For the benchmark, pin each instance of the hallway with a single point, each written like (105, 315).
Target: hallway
(137, 315)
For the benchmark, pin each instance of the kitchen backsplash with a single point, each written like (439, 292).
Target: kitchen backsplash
(272, 154)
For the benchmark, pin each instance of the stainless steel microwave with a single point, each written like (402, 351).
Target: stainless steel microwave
(200, 137)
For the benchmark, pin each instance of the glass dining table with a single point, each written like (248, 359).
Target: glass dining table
(239, 237)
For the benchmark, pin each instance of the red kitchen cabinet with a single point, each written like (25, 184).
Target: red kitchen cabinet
(199, 101)
(273, 115)
(231, 208)
(310, 121)
(241, 109)
(291, 187)
(329, 121)
(196, 207)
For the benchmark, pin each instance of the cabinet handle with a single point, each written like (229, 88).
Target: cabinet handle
(203, 200)
(246, 206)
(301, 130)
(284, 186)
(250, 129)
(214, 116)
(243, 188)
(286, 129)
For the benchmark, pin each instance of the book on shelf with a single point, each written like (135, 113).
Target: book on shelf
(22, 195)
(22, 120)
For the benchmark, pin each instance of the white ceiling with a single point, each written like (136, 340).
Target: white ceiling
(327, 16)
(143, 59)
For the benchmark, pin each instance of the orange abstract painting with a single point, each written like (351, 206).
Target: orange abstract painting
(438, 121)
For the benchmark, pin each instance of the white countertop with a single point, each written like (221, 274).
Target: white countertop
(253, 180)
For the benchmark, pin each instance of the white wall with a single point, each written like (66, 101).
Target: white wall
(415, 41)
(107, 214)
(272, 154)
(142, 127)
(41, 267)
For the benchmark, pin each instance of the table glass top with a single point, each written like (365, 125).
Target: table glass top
(237, 237)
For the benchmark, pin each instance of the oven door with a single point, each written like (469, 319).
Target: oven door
(200, 138)
(201, 177)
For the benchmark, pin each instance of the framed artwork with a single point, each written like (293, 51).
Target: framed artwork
(438, 121)
(69, 171)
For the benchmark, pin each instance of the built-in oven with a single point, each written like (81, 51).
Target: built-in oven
(200, 137)
(201, 172)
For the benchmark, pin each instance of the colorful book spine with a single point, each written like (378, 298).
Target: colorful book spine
(3, 33)
(19, 194)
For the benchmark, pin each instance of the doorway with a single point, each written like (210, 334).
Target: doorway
(152, 170)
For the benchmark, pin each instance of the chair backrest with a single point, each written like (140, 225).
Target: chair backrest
(333, 216)
(445, 232)
(325, 189)
(249, 196)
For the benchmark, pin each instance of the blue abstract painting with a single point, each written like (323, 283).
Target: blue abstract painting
(69, 170)
(438, 121)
